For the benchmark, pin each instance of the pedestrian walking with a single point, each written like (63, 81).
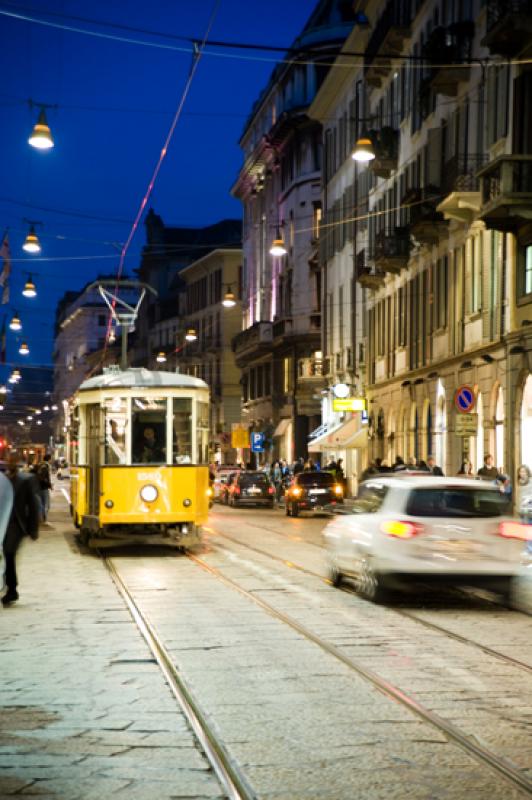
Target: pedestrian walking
(23, 521)
(6, 504)
(433, 467)
(43, 474)
(489, 471)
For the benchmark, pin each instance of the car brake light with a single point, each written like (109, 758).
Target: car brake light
(514, 530)
(401, 529)
(236, 490)
(271, 490)
(338, 489)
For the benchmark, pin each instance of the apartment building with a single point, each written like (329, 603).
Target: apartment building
(438, 228)
(279, 185)
(208, 283)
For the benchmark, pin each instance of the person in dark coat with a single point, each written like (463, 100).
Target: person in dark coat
(24, 521)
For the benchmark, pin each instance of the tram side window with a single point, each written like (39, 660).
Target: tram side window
(149, 430)
(115, 430)
(73, 440)
(182, 430)
(203, 433)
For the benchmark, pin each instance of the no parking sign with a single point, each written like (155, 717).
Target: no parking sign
(464, 399)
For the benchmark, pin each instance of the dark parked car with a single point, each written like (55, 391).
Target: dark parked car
(311, 491)
(250, 489)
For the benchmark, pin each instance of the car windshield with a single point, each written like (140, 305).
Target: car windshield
(456, 502)
(315, 479)
(257, 478)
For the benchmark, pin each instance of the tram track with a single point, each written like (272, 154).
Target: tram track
(226, 769)
(482, 754)
(503, 657)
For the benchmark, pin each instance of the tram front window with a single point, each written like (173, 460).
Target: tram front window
(182, 430)
(149, 430)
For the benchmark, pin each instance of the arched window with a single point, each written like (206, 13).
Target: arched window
(428, 432)
(526, 424)
(499, 430)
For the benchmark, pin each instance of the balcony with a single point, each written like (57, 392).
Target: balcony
(392, 250)
(389, 34)
(508, 26)
(386, 144)
(426, 223)
(506, 193)
(462, 188)
(447, 48)
(252, 342)
(282, 328)
(368, 277)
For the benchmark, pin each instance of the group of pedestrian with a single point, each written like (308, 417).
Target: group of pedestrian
(378, 466)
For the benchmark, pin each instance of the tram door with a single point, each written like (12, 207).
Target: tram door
(93, 456)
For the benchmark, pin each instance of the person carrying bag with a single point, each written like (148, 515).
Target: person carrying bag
(23, 521)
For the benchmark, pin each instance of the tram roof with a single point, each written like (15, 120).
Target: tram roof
(140, 377)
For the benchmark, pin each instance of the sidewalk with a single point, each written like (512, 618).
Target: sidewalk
(84, 711)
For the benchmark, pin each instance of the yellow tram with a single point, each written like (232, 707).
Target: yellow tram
(138, 451)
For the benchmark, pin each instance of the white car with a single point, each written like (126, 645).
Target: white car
(521, 597)
(453, 531)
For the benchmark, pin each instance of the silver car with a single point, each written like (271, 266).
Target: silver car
(433, 530)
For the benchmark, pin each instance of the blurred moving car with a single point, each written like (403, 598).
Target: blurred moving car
(311, 491)
(452, 531)
(521, 596)
(220, 480)
(250, 488)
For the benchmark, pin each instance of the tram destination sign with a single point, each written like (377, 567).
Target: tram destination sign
(466, 424)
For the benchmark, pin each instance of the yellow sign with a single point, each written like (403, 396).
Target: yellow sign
(466, 424)
(239, 436)
(349, 404)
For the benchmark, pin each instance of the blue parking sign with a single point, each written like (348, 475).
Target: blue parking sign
(257, 443)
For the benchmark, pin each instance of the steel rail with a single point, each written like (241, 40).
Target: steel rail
(224, 766)
(408, 615)
(481, 753)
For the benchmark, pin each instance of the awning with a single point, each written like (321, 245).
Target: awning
(348, 435)
(282, 427)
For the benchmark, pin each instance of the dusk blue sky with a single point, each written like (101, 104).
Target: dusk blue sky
(115, 105)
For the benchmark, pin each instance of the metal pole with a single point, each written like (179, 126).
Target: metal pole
(123, 359)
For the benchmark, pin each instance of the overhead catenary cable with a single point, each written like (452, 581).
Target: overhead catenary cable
(398, 61)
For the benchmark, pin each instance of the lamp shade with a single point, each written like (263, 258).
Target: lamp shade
(278, 248)
(31, 242)
(29, 289)
(229, 300)
(41, 136)
(364, 150)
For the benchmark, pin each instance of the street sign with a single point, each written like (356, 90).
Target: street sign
(257, 442)
(239, 436)
(349, 404)
(466, 424)
(341, 390)
(464, 399)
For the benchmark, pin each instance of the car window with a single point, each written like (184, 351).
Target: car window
(370, 498)
(315, 478)
(456, 502)
(257, 478)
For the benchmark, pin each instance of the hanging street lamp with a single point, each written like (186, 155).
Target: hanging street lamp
(278, 247)
(161, 357)
(29, 289)
(15, 324)
(191, 335)
(229, 300)
(24, 350)
(41, 136)
(31, 242)
(364, 150)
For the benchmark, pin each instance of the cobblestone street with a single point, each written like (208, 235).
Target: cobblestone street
(86, 711)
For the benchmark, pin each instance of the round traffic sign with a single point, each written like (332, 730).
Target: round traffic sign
(464, 399)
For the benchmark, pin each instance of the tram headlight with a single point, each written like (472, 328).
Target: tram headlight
(187, 503)
(149, 493)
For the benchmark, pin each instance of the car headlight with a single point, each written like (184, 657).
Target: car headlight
(149, 493)
(296, 491)
(338, 489)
